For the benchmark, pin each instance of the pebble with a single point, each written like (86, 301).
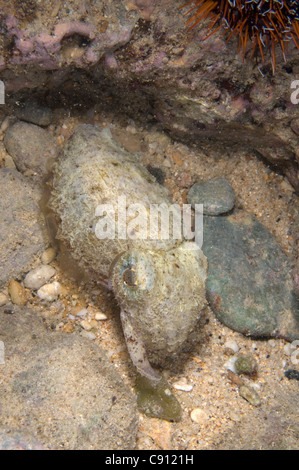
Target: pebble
(88, 334)
(230, 364)
(67, 328)
(292, 374)
(199, 416)
(48, 255)
(231, 347)
(156, 400)
(250, 395)
(81, 313)
(234, 378)
(100, 316)
(217, 196)
(3, 299)
(17, 293)
(87, 325)
(183, 386)
(39, 276)
(246, 364)
(49, 292)
(291, 347)
(249, 283)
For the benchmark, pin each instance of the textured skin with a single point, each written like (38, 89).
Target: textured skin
(159, 284)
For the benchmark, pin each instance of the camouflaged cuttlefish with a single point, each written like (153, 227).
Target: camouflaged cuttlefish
(159, 283)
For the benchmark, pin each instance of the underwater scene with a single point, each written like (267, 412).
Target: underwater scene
(149, 181)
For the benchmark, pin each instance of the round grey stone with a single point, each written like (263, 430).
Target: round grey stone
(217, 196)
(249, 283)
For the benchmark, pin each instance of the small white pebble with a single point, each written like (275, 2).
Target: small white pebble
(39, 276)
(183, 386)
(231, 344)
(3, 299)
(199, 416)
(49, 292)
(230, 364)
(100, 316)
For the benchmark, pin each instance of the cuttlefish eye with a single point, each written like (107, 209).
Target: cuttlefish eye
(133, 273)
(129, 277)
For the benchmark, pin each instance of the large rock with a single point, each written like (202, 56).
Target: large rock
(23, 235)
(249, 284)
(61, 389)
(31, 147)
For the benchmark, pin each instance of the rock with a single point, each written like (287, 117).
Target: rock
(249, 285)
(48, 255)
(250, 395)
(22, 230)
(230, 364)
(217, 196)
(86, 325)
(234, 378)
(3, 299)
(199, 416)
(67, 328)
(100, 316)
(173, 74)
(49, 292)
(246, 364)
(63, 387)
(39, 276)
(157, 400)
(17, 293)
(183, 385)
(34, 112)
(231, 347)
(31, 147)
(292, 374)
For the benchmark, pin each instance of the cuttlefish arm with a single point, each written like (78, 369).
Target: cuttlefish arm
(136, 348)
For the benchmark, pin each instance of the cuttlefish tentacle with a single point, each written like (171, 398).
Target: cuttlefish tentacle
(136, 348)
